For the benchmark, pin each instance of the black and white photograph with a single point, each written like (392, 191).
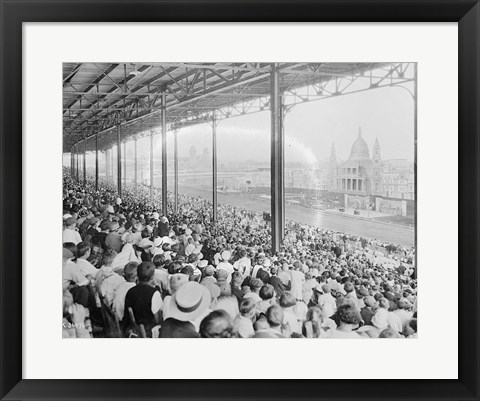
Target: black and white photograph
(239, 200)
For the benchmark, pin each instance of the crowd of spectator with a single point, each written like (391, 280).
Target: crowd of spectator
(131, 271)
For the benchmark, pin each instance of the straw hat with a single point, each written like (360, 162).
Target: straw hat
(189, 302)
(226, 256)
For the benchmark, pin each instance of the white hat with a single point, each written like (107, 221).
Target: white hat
(145, 243)
(157, 242)
(189, 249)
(128, 238)
(110, 209)
(66, 216)
(155, 215)
(189, 302)
(167, 240)
(226, 255)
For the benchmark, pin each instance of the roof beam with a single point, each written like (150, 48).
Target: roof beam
(72, 74)
(92, 85)
(214, 66)
(173, 92)
(108, 76)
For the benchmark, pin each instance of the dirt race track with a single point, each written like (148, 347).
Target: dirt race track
(396, 234)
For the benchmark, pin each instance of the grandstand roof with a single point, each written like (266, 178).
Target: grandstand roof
(99, 96)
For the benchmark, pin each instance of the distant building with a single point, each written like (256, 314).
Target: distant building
(360, 174)
(401, 186)
(362, 179)
(397, 166)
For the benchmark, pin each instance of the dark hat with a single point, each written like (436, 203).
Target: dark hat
(92, 221)
(105, 225)
(209, 270)
(70, 221)
(187, 270)
(256, 283)
(221, 274)
(67, 254)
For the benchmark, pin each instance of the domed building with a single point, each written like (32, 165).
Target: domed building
(361, 174)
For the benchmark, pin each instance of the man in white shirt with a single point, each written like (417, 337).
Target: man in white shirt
(244, 264)
(111, 281)
(243, 322)
(335, 285)
(130, 275)
(384, 319)
(326, 301)
(298, 278)
(137, 233)
(403, 312)
(70, 272)
(85, 267)
(284, 274)
(352, 295)
(69, 233)
(128, 254)
(225, 265)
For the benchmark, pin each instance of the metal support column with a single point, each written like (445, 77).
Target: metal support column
(175, 168)
(151, 165)
(124, 164)
(164, 154)
(107, 167)
(283, 115)
(96, 162)
(111, 163)
(71, 162)
(84, 162)
(276, 160)
(214, 167)
(76, 156)
(135, 164)
(119, 160)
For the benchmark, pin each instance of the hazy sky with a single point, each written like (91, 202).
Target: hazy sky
(311, 127)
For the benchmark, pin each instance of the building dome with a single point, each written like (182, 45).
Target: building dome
(359, 148)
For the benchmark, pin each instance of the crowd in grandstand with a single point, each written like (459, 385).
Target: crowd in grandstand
(129, 271)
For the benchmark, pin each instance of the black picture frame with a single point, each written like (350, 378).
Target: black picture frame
(14, 13)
